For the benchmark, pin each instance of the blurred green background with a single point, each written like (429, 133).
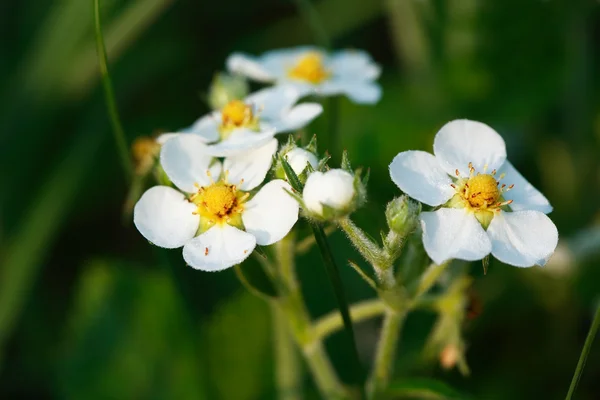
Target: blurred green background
(88, 309)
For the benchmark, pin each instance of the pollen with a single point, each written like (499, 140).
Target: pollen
(482, 190)
(310, 68)
(219, 203)
(236, 113)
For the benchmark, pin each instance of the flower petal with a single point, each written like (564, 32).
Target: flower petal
(359, 92)
(186, 161)
(354, 64)
(298, 117)
(523, 238)
(162, 139)
(419, 175)
(453, 233)
(249, 66)
(165, 217)
(220, 247)
(207, 127)
(523, 194)
(251, 167)
(462, 141)
(271, 214)
(242, 140)
(272, 102)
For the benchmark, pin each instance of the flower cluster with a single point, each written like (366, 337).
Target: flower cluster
(216, 203)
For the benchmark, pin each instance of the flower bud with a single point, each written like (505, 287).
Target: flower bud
(330, 194)
(402, 215)
(224, 88)
(298, 158)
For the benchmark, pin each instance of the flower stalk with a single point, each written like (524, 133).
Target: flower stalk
(288, 370)
(109, 95)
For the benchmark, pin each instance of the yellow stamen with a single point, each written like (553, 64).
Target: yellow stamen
(219, 203)
(310, 68)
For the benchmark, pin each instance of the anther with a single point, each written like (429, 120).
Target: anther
(453, 185)
(511, 186)
(456, 172)
(493, 172)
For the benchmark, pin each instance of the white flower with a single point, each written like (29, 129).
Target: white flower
(217, 222)
(487, 206)
(247, 124)
(299, 158)
(313, 71)
(334, 188)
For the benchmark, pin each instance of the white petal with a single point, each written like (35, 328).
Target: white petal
(242, 140)
(246, 65)
(360, 92)
(164, 217)
(207, 127)
(523, 238)
(272, 102)
(251, 167)
(462, 141)
(334, 188)
(162, 139)
(271, 214)
(523, 194)
(298, 117)
(220, 247)
(186, 161)
(419, 175)
(354, 64)
(278, 62)
(451, 233)
(299, 158)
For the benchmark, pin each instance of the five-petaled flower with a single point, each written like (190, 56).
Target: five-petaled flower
(313, 71)
(486, 205)
(216, 219)
(246, 124)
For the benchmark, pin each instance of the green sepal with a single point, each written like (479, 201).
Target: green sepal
(312, 145)
(345, 164)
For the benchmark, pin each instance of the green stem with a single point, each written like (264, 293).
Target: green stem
(312, 18)
(385, 355)
(430, 277)
(287, 365)
(332, 322)
(584, 353)
(365, 246)
(338, 288)
(113, 113)
(300, 326)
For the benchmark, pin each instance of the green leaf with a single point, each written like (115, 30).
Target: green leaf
(291, 175)
(423, 388)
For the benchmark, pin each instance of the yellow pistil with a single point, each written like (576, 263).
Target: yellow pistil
(310, 68)
(480, 193)
(237, 114)
(219, 203)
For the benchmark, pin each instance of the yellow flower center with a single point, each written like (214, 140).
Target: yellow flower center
(219, 203)
(237, 114)
(480, 193)
(310, 68)
(482, 190)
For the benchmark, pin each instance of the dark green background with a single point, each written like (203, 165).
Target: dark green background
(88, 309)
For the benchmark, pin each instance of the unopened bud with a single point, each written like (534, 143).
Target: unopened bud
(144, 150)
(226, 88)
(402, 215)
(298, 158)
(332, 192)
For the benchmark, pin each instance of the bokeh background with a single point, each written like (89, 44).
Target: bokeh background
(88, 309)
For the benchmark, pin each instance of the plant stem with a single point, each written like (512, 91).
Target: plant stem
(430, 277)
(584, 353)
(365, 246)
(386, 351)
(336, 282)
(109, 95)
(287, 365)
(312, 18)
(332, 322)
(292, 306)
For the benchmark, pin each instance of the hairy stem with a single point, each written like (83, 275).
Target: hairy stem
(385, 355)
(292, 307)
(332, 322)
(288, 369)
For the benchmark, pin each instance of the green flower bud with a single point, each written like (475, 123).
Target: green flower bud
(402, 215)
(225, 88)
